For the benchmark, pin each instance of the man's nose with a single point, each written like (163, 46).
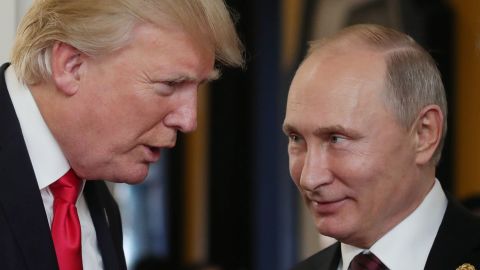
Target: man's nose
(184, 117)
(316, 171)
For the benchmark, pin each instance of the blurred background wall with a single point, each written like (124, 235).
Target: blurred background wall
(10, 13)
(223, 196)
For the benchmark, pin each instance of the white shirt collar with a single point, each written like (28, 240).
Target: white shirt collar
(48, 160)
(413, 237)
(348, 252)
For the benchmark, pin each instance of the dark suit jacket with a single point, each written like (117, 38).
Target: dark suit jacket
(457, 242)
(25, 239)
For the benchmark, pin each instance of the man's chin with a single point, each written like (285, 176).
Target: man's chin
(330, 228)
(134, 179)
(130, 181)
(133, 176)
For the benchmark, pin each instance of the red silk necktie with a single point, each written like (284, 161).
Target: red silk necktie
(367, 261)
(66, 231)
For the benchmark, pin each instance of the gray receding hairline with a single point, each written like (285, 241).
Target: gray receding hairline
(414, 82)
(412, 78)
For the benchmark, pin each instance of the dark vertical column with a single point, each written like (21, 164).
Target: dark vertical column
(230, 198)
(175, 202)
(274, 195)
(265, 132)
(252, 200)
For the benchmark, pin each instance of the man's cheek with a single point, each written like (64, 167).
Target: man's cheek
(296, 170)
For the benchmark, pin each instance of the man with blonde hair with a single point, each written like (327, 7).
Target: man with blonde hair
(95, 90)
(366, 120)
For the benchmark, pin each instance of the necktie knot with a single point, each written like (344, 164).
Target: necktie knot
(67, 187)
(367, 261)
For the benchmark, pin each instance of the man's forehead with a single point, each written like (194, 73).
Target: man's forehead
(326, 71)
(336, 99)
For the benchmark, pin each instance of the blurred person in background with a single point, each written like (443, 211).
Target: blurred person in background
(366, 120)
(94, 91)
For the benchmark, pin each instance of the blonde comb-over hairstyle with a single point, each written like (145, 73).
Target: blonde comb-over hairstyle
(98, 27)
(412, 80)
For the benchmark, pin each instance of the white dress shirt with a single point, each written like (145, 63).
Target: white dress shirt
(408, 244)
(49, 164)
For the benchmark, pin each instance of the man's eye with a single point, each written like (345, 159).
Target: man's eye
(171, 83)
(293, 138)
(165, 88)
(336, 138)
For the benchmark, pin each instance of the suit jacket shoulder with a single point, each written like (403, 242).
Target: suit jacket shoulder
(25, 239)
(457, 241)
(326, 259)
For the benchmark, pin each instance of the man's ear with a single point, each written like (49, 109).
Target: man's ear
(66, 63)
(428, 131)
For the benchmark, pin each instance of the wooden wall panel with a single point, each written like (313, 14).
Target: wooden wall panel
(196, 186)
(467, 124)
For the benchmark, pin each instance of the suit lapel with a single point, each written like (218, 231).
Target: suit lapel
(326, 259)
(336, 256)
(99, 217)
(20, 198)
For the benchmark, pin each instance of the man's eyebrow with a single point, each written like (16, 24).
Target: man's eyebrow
(214, 75)
(287, 128)
(321, 131)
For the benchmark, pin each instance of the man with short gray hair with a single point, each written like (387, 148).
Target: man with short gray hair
(96, 90)
(366, 120)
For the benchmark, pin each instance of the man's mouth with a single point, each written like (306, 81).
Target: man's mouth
(326, 207)
(152, 153)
